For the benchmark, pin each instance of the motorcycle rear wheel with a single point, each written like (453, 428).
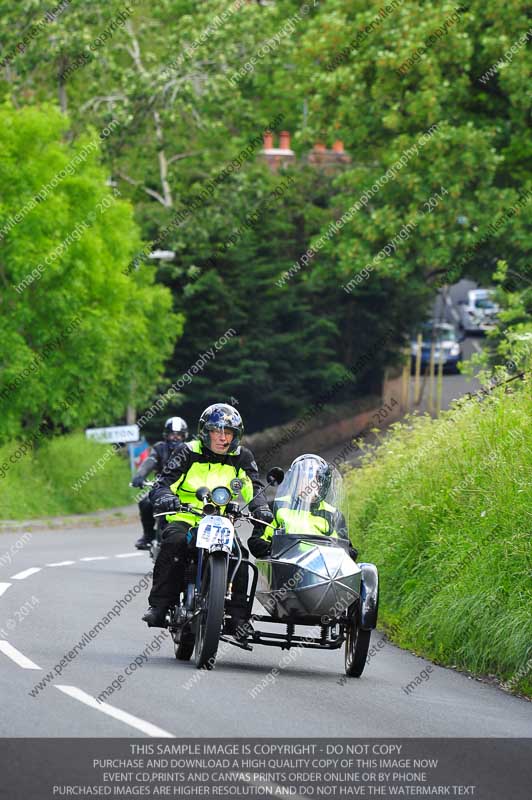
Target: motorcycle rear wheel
(210, 620)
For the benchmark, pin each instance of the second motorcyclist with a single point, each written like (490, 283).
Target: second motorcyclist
(174, 433)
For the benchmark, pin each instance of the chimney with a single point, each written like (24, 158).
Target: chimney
(277, 157)
(317, 154)
(284, 140)
(328, 160)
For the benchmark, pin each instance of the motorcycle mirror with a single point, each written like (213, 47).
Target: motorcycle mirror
(202, 493)
(275, 476)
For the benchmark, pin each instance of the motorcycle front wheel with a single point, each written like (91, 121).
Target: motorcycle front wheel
(210, 619)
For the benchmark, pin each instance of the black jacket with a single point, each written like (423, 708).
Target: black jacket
(182, 458)
(160, 453)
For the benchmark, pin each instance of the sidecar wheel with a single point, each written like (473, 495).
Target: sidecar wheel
(356, 646)
(210, 620)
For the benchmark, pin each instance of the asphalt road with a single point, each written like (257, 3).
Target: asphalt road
(44, 613)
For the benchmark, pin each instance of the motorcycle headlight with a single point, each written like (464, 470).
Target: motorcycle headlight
(221, 495)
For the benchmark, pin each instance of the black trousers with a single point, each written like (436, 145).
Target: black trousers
(146, 517)
(169, 569)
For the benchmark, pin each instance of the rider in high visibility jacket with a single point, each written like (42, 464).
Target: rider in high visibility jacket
(214, 459)
(303, 509)
(322, 518)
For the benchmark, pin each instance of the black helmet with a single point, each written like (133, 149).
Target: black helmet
(216, 418)
(173, 428)
(319, 473)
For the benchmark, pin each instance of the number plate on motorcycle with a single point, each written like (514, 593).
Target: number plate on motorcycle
(215, 530)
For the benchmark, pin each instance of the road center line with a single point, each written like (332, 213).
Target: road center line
(117, 713)
(16, 656)
(25, 573)
(128, 555)
(61, 564)
(94, 558)
(4, 587)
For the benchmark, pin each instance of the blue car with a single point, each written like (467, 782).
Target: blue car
(447, 343)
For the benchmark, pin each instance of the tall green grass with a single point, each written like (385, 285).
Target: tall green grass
(41, 483)
(444, 508)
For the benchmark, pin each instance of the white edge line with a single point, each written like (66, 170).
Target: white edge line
(123, 716)
(94, 558)
(16, 656)
(129, 555)
(25, 573)
(60, 563)
(4, 587)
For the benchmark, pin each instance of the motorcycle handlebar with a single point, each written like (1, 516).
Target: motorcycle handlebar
(186, 508)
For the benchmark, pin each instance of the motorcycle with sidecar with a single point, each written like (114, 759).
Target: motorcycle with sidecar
(307, 580)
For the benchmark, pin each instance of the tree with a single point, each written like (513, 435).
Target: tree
(379, 81)
(79, 338)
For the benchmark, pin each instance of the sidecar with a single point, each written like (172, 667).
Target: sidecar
(309, 578)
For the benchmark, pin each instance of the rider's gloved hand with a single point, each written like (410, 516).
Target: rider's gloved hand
(137, 481)
(257, 546)
(263, 513)
(166, 504)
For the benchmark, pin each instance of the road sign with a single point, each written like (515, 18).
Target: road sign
(120, 433)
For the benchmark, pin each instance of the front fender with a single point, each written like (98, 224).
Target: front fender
(369, 596)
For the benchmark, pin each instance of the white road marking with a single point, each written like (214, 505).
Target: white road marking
(117, 713)
(476, 346)
(94, 558)
(16, 656)
(61, 564)
(4, 587)
(25, 573)
(129, 555)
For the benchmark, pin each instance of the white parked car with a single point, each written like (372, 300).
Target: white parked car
(479, 312)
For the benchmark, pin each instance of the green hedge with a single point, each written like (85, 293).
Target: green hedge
(41, 482)
(443, 508)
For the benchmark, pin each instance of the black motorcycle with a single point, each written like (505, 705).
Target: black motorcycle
(214, 557)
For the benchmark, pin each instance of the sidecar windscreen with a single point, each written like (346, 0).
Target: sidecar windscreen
(285, 542)
(310, 500)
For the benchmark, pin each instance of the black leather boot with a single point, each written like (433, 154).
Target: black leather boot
(155, 617)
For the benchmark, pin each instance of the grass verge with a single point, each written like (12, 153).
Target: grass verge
(444, 508)
(62, 476)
